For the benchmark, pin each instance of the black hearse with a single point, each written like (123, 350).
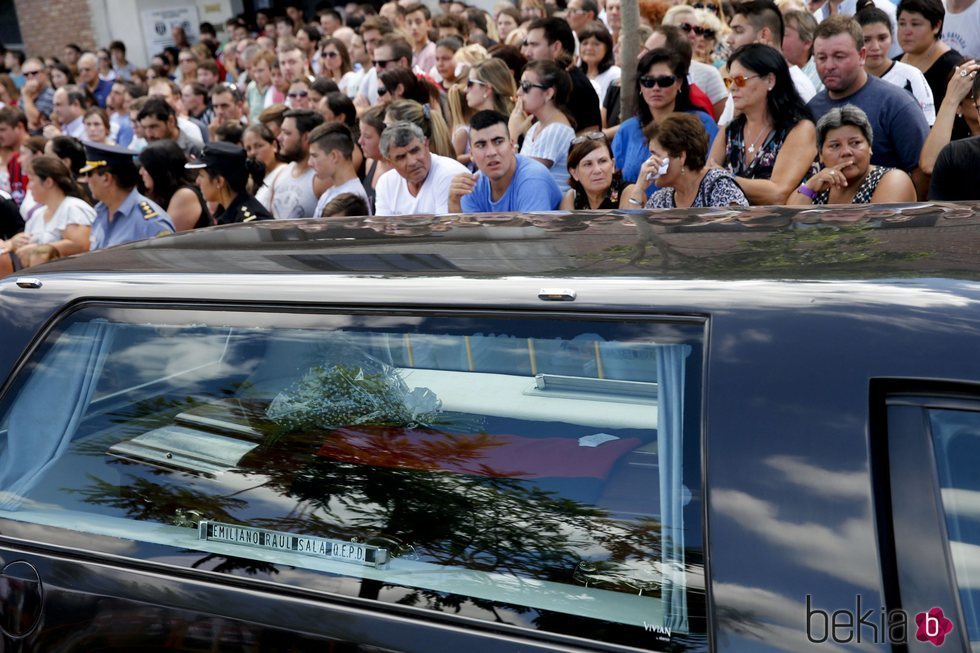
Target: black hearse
(752, 430)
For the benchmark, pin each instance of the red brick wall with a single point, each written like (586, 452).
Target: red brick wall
(48, 25)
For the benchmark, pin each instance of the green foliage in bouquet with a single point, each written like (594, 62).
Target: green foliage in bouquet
(348, 395)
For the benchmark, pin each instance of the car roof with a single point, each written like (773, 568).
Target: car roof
(863, 242)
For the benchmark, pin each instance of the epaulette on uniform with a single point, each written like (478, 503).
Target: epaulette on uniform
(247, 216)
(147, 210)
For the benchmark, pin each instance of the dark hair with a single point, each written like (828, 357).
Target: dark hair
(596, 30)
(332, 136)
(69, 147)
(311, 32)
(675, 40)
(345, 63)
(306, 120)
(35, 144)
(341, 105)
(164, 162)
(76, 95)
(12, 116)
(118, 45)
(74, 46)
(681, 132)
(51, 167)
(345, 204)
(873, 16)
(760, 14)
(512, 58)
(21, 57)
(236, 93)
(156, 107)
(451, 21)
(418, 6)
(103, 116)
(487, 118)
(64, 69)
(230, 132)
(581, 148)
(414, 89)
(678, 68)
(237, 178)
(400, 48)
(450, 43)
(556, 77)
(477, 18)
(198, 89)
(375, 117)
(785, 106)
(324, 85)
(555, 29)
(931, 10)
(209, 65)
(207, 28)
(262, 132)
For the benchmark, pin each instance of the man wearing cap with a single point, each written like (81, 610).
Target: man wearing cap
(225, 170)
(122, 215)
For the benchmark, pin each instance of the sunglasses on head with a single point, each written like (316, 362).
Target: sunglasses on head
(663, 81)
(471, 82)
(710, 6)
(527, 86)
(591, 136)
(700, 31)
(738, 80)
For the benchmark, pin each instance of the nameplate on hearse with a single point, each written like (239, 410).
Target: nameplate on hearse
(318, 547)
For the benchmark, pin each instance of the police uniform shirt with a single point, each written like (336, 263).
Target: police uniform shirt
(137, 218)
(244, 208)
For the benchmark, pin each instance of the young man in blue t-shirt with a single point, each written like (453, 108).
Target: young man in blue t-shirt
(506, 181)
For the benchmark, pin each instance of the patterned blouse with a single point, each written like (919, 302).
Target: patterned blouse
(611, 200)
(718, 188)
(764, 161)
(864, 191)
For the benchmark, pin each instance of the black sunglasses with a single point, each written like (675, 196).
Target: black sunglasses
(382, 91)
(382, 63)
(31, 73)
(700, 31)
(471, 82)
(663, 81)
(298, 94)
(527, 86)
(709, 6)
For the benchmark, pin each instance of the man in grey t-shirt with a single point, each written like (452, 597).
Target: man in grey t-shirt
(331, 155)
(294, 195)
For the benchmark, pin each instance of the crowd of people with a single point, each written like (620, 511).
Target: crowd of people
(361, 110)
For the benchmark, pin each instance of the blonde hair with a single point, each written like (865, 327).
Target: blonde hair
(497, 75)
(670, 16)
(432, 124)
(459, 111)
(471, 54)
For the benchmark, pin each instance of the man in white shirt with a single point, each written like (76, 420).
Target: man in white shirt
(759, 21)
(419, 181)
(69, 109)
(373, 30)
(331, 156)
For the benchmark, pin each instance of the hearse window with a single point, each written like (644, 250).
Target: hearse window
(956, 441)
(539, 471)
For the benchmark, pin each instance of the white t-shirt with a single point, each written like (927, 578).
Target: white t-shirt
(293, 197)
(912, 80)
(962, 31)
(71, 211)
(369, 86)
(393, 197)
(352, 185)
(709, 80)
(264, 193)
(604, 79)
(550, 143)
(803, 86)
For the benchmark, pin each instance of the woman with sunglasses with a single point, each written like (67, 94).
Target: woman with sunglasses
(490, 85)
(678, 164)
(596, 52)
(335, 62)
(661, 89)
(592, 176)
(542, 98)
(770, 146)
(705, 75)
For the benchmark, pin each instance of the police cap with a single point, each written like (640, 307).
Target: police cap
(222, 159)
(98, 155)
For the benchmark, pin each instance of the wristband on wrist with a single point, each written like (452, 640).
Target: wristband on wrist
(805, 190)
(633, 200)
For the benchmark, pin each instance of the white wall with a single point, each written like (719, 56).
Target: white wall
(123, 20)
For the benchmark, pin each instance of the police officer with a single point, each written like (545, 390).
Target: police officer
(225, 170)
(122, 215)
